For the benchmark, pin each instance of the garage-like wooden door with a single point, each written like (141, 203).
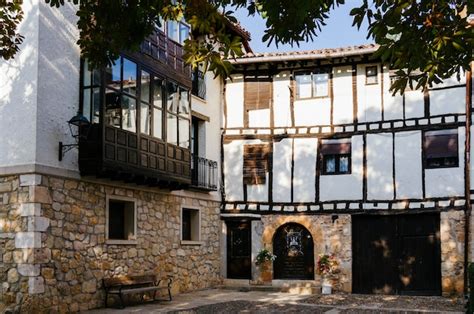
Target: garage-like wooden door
(397, 254)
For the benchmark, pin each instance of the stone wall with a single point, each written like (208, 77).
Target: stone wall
(329, 236)
(56, 252)
(452, 252)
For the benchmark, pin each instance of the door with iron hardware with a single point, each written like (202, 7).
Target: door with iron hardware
(239, 249)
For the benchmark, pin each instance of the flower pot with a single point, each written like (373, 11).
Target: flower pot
(326, 287)
(266, 272)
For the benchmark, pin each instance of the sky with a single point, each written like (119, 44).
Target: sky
(337, 33)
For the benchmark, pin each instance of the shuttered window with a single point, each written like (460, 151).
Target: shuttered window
(255, 163)
(441, 149)
(336, 157)
(258, 93)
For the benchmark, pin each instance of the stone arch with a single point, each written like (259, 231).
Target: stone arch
(306, 222)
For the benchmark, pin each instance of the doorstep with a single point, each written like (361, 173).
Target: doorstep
(301, 287)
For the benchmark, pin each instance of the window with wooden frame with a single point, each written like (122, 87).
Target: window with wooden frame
(441, 149)
(335, 157)
(121, 219)
(371, 75)
(312, 84)
(257, 94)
(255, 163)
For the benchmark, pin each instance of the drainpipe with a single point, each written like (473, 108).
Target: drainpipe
(467, 174)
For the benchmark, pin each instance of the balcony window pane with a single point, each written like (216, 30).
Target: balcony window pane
(112, 108)
(173, 97)
(129, 116)
(184, 133)
(145, 87)
(145, 118)
(86, 103)
(303, 85)
(157, 93)
(129, 77)
(157, 122)
(112, 75)
(172, 129)
(95, 105)
(183, 32)
(344, 164)
(184, 103)
(87, 74)
(173, 30)
(321, 84)
(96, 77)
(330, 164)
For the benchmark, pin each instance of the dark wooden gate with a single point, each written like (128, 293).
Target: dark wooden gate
(238, 250)
(398, 254)
(293, 246)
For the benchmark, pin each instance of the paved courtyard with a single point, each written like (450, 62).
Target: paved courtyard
(232, 301)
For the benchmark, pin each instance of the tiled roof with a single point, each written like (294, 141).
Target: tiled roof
(307, 54)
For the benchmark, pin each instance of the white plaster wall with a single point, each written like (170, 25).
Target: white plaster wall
(369, 97)
(18, 94)
(345, 186)
(234, 97)
(447, 181)
(445, 101)
(281, 99)
(343, 98)
(315, 111)
(408, 178)
(414, 104)
(379, 166)
(392, 105)
(259, 118)
(58, 83)
(304, 180)
(282, 152)
(211, 108)
(233, 167)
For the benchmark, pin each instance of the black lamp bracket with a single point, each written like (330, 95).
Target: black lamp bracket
(64, 148)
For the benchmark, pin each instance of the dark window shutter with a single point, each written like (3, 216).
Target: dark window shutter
(441, 145)
(336, 149)
(255, 163)
(258, 93)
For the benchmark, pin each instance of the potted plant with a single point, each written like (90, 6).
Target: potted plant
(264, 261)
(327, 266)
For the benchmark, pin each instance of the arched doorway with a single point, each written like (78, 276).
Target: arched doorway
(293, 246)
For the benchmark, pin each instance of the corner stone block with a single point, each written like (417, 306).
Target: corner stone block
(38, 224)
(30, 179)
(29, 270)
(40, 194)
(26, 240)
(5, 187)
(36, 285)
(30, 209)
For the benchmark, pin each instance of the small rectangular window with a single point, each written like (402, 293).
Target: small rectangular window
(441, 149)
(190, 224)
(255, 163)
(121, 220)
(312, 84)
(371, 75)
(336, 157)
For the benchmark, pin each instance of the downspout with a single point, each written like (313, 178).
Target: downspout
(467, 174)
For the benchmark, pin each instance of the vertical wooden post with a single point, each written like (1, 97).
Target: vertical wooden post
(467, 174)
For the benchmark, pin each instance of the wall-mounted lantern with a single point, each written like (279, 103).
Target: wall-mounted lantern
(76, 124)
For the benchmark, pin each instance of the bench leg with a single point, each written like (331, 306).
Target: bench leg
(122, 306)
(106, 298)
(169, 293)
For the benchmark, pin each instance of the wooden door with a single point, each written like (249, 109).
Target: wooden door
(238, 250)
(398, 254)
(294, 248)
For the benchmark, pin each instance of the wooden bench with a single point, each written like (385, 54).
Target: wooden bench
(135, 284)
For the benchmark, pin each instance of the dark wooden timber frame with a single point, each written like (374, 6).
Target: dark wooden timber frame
(132, 156)
(338, 131)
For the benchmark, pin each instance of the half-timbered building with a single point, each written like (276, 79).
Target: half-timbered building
(320, 158)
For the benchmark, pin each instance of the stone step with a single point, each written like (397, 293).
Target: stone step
(303, 287)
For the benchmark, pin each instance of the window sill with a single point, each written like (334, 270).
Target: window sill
(199, 98)
(187, 242)
(335, 174)
(120, 242)
(311, 98)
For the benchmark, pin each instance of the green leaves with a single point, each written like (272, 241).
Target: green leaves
(426, 40)
(11, 15)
